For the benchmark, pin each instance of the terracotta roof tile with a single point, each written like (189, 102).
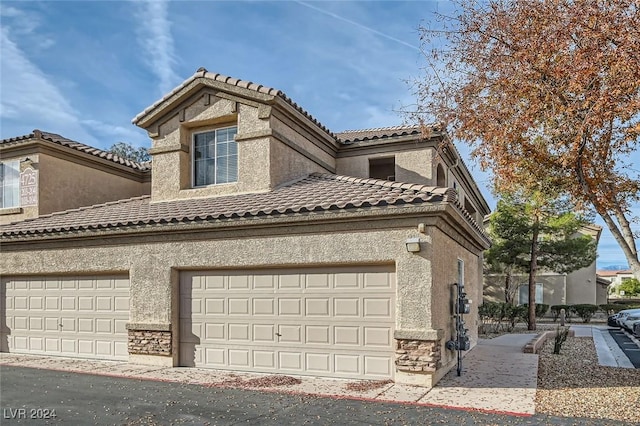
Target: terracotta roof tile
(60, 140)
(317, 192)
(350, 136)
(203, 73)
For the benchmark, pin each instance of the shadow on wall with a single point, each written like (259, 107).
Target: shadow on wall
(188, 340)
(5, 331)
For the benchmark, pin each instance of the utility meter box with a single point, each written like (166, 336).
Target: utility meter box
(464, 344)
(464, 306)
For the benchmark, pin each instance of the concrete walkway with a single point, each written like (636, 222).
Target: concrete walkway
(496, 377)
(609, 352)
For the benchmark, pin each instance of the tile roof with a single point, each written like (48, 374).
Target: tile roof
(315, 193)
(60, 140)
(349, 136)
(203, 73)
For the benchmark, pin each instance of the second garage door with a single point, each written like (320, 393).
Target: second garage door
(333, 322)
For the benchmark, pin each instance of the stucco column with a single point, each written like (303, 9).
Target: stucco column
(152, 327)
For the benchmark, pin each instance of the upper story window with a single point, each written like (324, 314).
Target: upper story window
(215, 157)
(382, 168)
(10, 184)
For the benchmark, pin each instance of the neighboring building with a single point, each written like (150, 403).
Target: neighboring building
(578, 287)
(43, 173)
(267, 244)
(613, 279)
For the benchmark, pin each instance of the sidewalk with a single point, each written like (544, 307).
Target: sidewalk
(496, 377)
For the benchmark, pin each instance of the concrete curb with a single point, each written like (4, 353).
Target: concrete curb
(533, 347)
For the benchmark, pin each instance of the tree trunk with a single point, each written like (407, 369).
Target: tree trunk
(533, 269)
(508, 297)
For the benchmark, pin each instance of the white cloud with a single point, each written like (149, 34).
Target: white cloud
(155, 38)
(28, 94)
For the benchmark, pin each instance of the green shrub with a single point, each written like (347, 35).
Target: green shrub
(584, 311)
(555, 311)
(495, 316)
(541, 309)
(615, 307)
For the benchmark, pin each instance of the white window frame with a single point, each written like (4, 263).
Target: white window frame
(10, 186)
(539, 293)
(215, 157)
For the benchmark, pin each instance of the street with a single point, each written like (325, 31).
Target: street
(34, 396)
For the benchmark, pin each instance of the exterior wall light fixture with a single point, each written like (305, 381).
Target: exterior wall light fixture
(413, 245)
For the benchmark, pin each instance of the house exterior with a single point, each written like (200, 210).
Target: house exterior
(44, 173)
(267, 244)
(613, 279)
(578, 287)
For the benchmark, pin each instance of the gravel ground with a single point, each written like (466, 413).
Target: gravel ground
(573, 384)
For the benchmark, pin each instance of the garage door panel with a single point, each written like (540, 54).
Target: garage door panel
(261, 282)
(377, 366)
(264, 333)
(71, 316)
(317, 334)
(239, 332)
(377, 308)
(318, 307)
(334, 322)
(52, 345)
(214, 331)
(264, 359)
(239, 357)
(264, 306)
(347, 364)
(318, 363)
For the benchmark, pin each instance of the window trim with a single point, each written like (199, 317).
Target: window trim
(193, 156)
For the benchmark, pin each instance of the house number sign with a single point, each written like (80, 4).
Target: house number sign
(29, 187)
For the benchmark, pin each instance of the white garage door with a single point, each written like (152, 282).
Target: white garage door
(81, 317)
(334, 322)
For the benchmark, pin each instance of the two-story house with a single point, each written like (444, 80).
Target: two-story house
(267, 244)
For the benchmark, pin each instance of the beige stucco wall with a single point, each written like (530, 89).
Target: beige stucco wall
(445, 252)
(66, 184)
(581, 285)
(152, 263)
(271, 150)
(413, 166)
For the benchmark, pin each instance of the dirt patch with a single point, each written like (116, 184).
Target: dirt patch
(366, 385)
(260, 382)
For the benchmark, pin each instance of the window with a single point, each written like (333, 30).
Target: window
(215, 157)
(441, 177)
(10, 184)
(524, 293)
(382, 168)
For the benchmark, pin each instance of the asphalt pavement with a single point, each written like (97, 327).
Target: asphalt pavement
(28, 395)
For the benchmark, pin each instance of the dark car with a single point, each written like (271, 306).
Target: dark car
(611, 321)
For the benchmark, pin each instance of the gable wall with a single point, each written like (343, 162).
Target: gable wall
(413, 166)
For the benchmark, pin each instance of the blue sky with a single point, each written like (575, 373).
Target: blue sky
(84, 69)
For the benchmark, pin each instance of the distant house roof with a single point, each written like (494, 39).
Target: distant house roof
(60, 140)
(315, 193)
(606, 273)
